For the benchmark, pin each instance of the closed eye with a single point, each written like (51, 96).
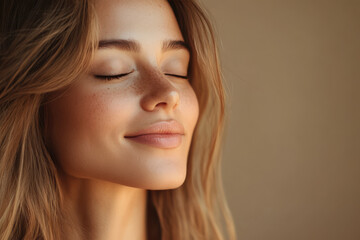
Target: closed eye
(111, 77)
(175, 75)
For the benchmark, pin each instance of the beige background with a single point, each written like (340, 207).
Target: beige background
(292, 152)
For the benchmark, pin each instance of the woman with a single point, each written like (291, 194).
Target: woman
(111, 121)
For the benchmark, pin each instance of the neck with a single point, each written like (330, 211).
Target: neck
(103, 210)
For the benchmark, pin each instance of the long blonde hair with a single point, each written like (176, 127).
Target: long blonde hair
(44, 46)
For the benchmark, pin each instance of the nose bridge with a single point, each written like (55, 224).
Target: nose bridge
(159, 92)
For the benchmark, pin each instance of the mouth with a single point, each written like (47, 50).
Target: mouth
(159, 140)
(162, 134)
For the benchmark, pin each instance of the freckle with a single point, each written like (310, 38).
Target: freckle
(151, 77)
(138, 86)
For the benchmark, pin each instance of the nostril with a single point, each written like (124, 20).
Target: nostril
(162, 104)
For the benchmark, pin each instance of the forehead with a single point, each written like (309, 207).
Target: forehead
(132, 19)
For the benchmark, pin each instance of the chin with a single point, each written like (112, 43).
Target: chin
(166, 180)
(169, 183)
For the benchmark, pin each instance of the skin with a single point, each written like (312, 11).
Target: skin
(103, 175)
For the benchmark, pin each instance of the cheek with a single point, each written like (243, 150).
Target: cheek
(87, 114)
(84, 124)
(190, 107)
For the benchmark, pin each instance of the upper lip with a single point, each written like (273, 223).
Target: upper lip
(160, 127)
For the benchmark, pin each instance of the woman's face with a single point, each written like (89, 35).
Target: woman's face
(135, 128)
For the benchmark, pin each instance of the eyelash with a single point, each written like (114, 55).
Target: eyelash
(178, 76)
(108, 78)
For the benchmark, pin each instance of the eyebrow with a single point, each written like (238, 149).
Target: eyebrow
(134, 46)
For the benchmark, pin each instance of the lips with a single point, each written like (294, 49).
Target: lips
(163, 134)
(162, 127)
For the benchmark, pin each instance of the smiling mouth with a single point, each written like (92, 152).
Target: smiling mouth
(162, 134)
(159, 140)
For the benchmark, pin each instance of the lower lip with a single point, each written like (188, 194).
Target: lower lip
(159, 140)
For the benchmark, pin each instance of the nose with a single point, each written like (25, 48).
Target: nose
(160, 94)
